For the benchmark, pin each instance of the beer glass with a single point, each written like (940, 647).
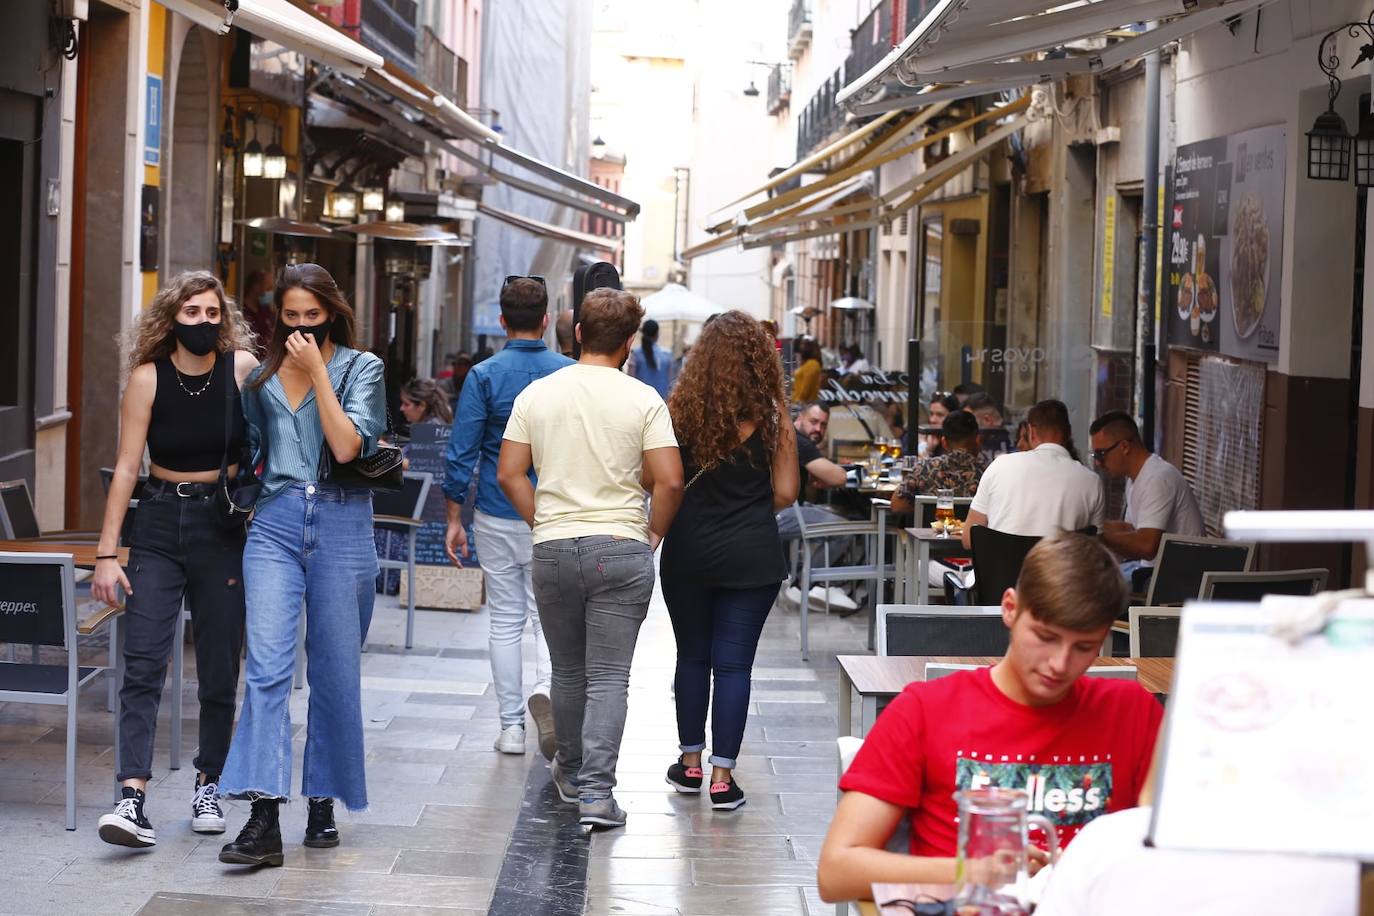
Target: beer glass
(944, 510)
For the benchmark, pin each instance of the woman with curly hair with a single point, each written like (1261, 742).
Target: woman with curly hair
(722, 557)
(187, 348)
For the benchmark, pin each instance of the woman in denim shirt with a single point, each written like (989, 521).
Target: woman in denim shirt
(309, 541)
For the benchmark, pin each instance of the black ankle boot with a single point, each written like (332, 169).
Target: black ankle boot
(320, 832)
(259, 842)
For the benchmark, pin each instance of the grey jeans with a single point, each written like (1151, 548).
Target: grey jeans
(593, 594)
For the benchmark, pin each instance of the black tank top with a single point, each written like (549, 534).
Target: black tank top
(186, 431)
(725, 534)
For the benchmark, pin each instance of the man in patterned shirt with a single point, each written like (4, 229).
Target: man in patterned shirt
(958, 469)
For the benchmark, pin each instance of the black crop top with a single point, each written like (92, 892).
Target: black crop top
(186, 431)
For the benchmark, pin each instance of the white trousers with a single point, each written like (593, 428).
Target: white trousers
(505, 547)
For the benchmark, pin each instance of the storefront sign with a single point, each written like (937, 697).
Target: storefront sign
(875, 387)
(1225, 241)
(1108, 252)
(152, 122)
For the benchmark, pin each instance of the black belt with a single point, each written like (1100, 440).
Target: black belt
(185, 490)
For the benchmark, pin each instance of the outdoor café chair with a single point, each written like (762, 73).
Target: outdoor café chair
(997, 559)
(1153, 631)
(1252, 586)
(39, 592)
(402, 512)
(19, 521)
(1123, 672)
(913, 629)
(824, 575)
(1182, 561)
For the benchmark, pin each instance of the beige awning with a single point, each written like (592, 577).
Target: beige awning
(286, 24)
(849, 210)
(549, 230)
(978, 46)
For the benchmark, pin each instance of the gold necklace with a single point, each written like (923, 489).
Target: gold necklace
(203, 388)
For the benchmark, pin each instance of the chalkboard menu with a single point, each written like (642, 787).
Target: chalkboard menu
(1225, 245)
(428, 444)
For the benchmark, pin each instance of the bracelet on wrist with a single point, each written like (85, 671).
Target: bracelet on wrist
(107, 556)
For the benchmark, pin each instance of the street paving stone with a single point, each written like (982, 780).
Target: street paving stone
(454, 828)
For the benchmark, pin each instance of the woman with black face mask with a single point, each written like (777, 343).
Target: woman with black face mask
(311, 541)
(190, 352)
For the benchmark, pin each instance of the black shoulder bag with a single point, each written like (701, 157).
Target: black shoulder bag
(382, 470)
(234, 498)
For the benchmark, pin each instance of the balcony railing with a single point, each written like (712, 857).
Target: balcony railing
(388, 27)
(798, 29)
(779, 88)
(871, 41)
(821, 117)
(438, 64)
(460, 89)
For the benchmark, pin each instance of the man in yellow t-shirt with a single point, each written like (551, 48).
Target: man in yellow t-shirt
(597, 439)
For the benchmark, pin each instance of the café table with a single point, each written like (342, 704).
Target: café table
(882, 893)
(83, 552)
(919, 546)
(874, 678)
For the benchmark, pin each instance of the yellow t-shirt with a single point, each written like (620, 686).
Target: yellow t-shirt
(806, 382)
(588, 428)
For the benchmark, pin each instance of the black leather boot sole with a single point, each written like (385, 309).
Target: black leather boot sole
(231, 856)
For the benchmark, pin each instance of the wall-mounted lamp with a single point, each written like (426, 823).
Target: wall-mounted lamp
(340, 204)
(751, 91)
(374, 200)
(1329, 142)
(395, 212)
(274, 158)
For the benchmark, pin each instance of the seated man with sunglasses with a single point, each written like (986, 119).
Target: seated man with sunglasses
(1158, 498)
(505, 546)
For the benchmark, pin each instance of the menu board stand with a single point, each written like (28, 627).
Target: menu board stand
(1256, 720)
(439, 584)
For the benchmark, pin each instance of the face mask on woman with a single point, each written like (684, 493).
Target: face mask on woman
(319, 331)
(197, 338)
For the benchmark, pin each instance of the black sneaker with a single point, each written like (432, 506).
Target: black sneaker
(685, 779)
(259, 842)
(726, 796)
(320, 832)
(127, 825)
(206, 814)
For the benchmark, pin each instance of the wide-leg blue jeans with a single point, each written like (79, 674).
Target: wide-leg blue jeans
(312, 543)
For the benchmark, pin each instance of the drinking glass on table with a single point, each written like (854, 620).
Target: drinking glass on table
(944, 510)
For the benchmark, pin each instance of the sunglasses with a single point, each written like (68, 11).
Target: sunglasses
(513, 277)
(1101, 453)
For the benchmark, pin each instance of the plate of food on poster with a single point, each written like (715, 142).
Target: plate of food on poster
(1224, 235)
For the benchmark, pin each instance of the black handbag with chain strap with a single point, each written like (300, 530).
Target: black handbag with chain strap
(382, 470)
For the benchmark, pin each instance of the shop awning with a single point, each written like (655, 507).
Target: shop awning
(979, 46)
(286, 24)
(424, 112)
(848, 210)
(549, 230)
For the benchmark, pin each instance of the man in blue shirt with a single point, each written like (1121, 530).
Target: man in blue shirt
(506, 540)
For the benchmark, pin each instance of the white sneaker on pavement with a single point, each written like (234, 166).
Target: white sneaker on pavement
(792, 595)
(511, 740)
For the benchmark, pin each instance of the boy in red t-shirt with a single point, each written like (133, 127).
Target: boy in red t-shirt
(1078, 746)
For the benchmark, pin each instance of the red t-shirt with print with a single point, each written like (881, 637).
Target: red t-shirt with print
(1084, 756)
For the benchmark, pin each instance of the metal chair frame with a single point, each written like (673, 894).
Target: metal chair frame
(1133, 617)
(1210, 580)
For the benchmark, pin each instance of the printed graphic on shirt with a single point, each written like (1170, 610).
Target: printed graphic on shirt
(1070, 794)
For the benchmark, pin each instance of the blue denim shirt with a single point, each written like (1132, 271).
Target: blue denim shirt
(290, 442)
(483, 410)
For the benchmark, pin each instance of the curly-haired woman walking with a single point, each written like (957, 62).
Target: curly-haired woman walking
(189, 346)
(722, 557)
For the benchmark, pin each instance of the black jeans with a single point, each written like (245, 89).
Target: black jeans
(179, 550)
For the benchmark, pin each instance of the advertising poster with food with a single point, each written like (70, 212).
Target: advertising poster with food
(1225, 245)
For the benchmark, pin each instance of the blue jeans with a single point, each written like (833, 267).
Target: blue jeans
(593, 594)
(717, 631)
(312, 544)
